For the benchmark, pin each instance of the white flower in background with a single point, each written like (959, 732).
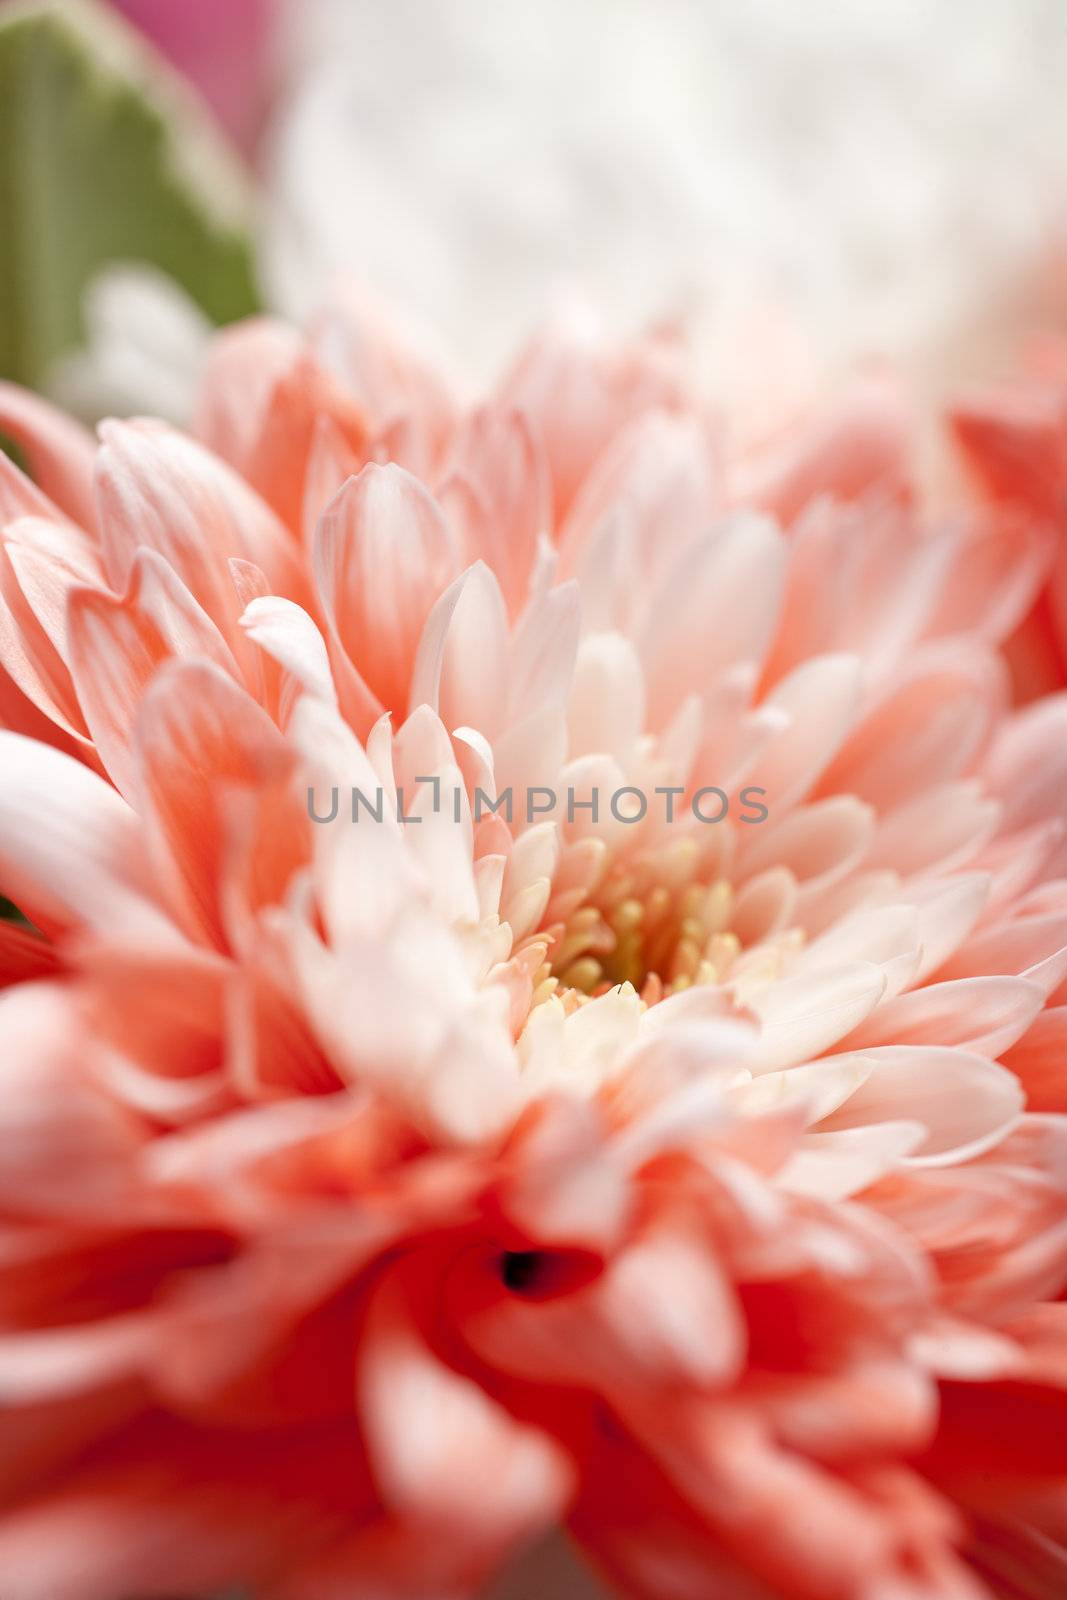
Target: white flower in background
(146, 341)
(883, 176)
(885, 171)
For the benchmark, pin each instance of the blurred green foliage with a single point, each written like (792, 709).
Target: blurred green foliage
(12, 448)
(104, 157)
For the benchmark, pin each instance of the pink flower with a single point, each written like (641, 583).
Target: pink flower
(379, 1194)
(225, 51)
(1013, 436)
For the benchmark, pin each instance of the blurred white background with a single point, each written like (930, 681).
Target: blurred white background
(887, 171)
(804, 183)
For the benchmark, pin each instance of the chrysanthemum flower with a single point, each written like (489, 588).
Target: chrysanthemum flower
(384, 1191)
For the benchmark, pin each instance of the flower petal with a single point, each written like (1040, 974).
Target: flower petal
(71, 850)
(118, 643)
(383, 553)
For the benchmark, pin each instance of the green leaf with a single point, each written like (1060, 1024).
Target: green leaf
(15, 452)
(104, 156)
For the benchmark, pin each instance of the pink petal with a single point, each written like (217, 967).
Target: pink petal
(197, 732)
(70, 847)
(821, 701)
(983, 1015)
(507, 507)
(286, 633)
(445, 1456)
(158, 488)
(715, 608)
(58, 450)
(802, 1016)
(660, 472)
(462, 665)
(383, 554)
(965, 1103)
(117, 644)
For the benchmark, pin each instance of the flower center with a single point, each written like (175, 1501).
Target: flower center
(660, 931)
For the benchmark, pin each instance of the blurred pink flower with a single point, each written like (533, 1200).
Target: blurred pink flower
(226, 51)
(1014, 437)
(379, 1195)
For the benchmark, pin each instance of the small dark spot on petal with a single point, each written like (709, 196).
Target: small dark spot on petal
(520, 1269)
(542, 1274)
